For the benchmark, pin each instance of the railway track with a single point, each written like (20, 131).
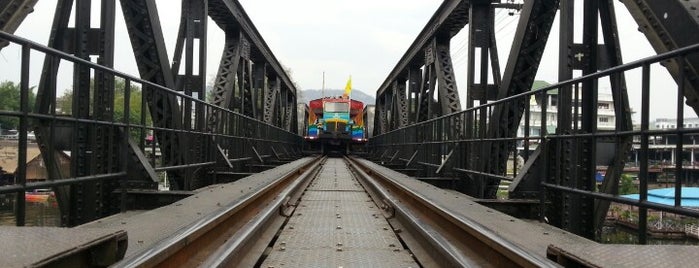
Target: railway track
(333, 212)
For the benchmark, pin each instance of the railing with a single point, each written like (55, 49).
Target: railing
(112, 140)
(465, 145)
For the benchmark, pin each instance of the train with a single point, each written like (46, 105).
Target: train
(336, 124)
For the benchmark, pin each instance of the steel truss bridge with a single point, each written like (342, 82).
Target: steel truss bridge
(235, 152)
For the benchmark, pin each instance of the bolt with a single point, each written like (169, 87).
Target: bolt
(338, 227)
(339, 249)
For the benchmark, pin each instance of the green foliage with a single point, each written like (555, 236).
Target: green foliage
(64, 104)
(627, 186)
(10, 101)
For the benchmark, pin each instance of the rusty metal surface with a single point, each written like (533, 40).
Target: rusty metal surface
(147, 228)
(337, 225)
(31, 246)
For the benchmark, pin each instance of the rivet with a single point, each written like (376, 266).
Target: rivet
(338, 227)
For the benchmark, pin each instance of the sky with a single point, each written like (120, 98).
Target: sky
(363, 39)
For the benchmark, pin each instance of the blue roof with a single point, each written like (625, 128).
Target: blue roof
(666, 196)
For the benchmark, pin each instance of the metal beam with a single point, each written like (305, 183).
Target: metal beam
(447, 21)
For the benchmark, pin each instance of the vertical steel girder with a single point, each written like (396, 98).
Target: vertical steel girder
(260, 86)
(572, 162)
(95, 148)
(482, 38)
(192, 28)
(271, 100)
(223, 90)
(400, 104)
(532, 32)
(427, 87)
(448, 94)
(414, 83)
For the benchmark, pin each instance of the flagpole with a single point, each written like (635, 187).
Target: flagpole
(322, 89)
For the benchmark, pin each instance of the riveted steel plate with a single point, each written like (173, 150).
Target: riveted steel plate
(27, 246)
(609, 255)
(336, 196)
(332, 228)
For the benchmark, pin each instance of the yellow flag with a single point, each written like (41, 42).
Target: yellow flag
(348, 88)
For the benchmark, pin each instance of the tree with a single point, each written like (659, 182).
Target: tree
(10, 101)
(627, 186)
(64, 104)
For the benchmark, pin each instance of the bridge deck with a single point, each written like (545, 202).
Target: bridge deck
(337, 225)
(147, 228)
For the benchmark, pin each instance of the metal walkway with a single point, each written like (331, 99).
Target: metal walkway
(337, 225)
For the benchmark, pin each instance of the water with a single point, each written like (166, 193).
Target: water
(39, 213)
(621, 235)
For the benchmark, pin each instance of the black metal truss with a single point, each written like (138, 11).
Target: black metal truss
(670, 25)
(270, 101)
(448, 94)
(574, 160)
(143, 25)
(230, 16)
(530, 39)
(622, 111)
(46, 104)
(12, 13)
(223, 88)
(400, 105)
(429, 50)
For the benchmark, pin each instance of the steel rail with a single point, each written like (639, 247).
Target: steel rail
(193, 243)
(450, 240)
(231, 253)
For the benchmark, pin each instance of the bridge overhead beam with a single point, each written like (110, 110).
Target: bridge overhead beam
(12, 13)
(230, 16)
(669, 25)
(429, 55)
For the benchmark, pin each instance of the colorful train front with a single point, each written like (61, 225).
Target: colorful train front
(336, 121)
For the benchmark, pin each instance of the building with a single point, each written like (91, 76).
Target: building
(36, 169)
(606, 120)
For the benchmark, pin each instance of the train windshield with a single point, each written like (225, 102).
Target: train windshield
(336, 107)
